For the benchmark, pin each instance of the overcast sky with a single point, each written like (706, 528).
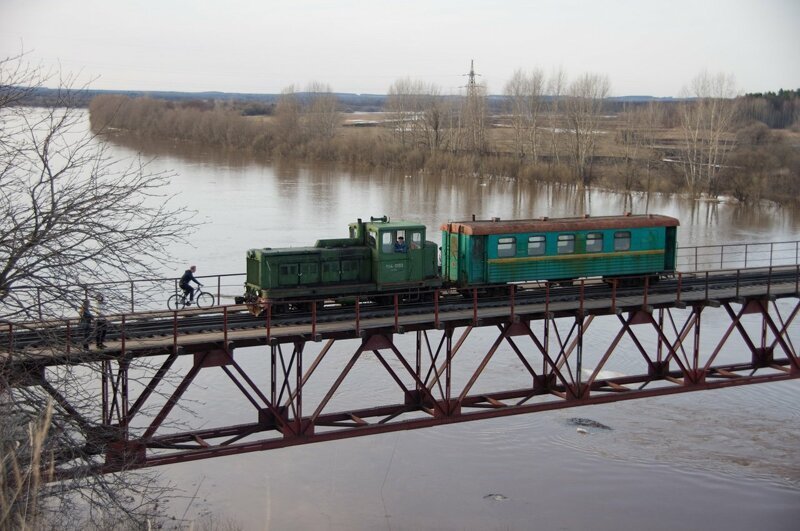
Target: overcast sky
(645, 47)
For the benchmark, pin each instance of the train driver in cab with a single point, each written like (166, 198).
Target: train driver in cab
(400, 245)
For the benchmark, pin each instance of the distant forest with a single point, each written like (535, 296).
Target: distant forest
(264, 104)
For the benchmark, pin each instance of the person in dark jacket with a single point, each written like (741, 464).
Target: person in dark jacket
(101, 325)
(188, 276)
(85, 325)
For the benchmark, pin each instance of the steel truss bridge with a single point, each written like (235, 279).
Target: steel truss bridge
(432, 357)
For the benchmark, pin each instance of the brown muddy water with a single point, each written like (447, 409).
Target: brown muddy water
(724, 459)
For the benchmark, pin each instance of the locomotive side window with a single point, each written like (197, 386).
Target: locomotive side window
(566, 243)
(535, 245)
(594, 242)
(506, 247)
(288, 269)
(287, 274)
(349, 270)
(622, 241)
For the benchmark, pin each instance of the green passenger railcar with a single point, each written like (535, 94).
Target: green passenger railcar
(499, 252)
(370, 262)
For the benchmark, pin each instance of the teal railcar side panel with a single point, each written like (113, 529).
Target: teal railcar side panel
(645, 255)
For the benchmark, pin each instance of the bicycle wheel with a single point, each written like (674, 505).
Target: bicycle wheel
(175, 302)
(204, 300)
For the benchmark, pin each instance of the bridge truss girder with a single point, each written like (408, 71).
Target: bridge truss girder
(434, 381)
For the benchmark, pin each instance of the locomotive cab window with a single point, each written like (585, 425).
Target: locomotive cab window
(622, 241)
(594, 242)
(535, 245)
(387, 244)
(566, 243)
(506, 247)
(416, 240)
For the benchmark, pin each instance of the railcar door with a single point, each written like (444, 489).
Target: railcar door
(669, 251)
(452, 257)
(392, 261)
(416, 255)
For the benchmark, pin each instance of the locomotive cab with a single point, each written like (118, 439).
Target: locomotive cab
(400, 254)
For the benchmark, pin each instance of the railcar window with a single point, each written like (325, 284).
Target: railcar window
(566, 243)
(622, 241)
(594, 242)
(506, 247)
(535, 245)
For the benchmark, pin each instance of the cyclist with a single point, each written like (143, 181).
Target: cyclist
(188, 276)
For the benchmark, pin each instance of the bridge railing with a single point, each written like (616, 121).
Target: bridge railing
(737, 256)
(69, 335)
(146, 294)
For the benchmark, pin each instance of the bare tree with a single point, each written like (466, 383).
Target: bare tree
(418, 114)
(584, 105)
(630, 139)
(70, 215)
(400, 107)
(650, 119)
(707, 121)
(516, 92)
(555, 89)
(524, 100)
(321, 115)
(286, 124)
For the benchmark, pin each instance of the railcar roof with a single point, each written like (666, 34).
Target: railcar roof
(483, 227)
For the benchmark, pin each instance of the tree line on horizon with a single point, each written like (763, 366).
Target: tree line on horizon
(709, 141)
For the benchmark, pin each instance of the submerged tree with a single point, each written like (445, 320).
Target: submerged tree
(524, 96)
(321, 112)
(584, 105)
(418, 114)
(70, 215)
(707, 122)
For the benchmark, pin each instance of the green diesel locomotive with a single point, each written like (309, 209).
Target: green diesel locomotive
(382, 258)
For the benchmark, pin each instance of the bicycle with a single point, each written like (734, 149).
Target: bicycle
(202, 299)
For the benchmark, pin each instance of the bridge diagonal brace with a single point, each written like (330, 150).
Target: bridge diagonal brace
(482, 365)
(781, 338)
(549, 362)
(151, 386)
(313, 367)
(450, 354)
(172, 400)
(423, 389)
(345, 371)
(784, 332)
(85, 425)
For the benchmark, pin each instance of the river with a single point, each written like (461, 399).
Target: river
(723, 459)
